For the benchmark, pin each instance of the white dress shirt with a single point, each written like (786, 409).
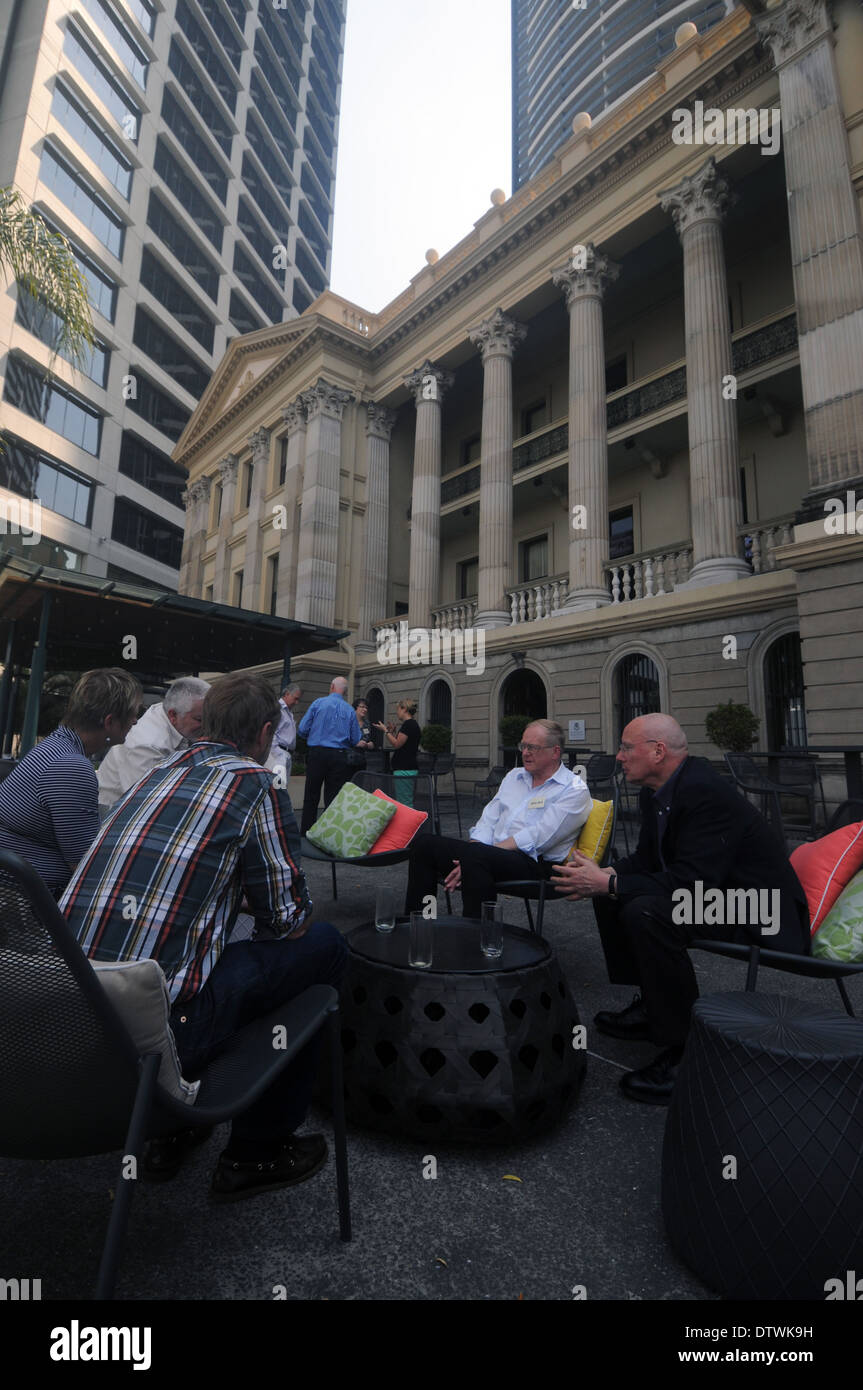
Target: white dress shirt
(542, 820)
(284, 741)
(148, 743)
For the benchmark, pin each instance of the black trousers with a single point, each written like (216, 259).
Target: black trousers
(327, 768)
(644, 947)
(482, 867)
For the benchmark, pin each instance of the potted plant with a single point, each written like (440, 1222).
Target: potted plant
(734, 728)
(435, 739)
(511, 727)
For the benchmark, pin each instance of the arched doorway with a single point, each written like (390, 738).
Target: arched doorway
(636, 690)
(377, 705)
(784, 704)
(439, 704)
(522, 693)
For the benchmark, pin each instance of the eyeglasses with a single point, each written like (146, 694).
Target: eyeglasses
(534, 747)
(628, 747)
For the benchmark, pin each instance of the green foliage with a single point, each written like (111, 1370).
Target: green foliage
(436, 738)
(732, 727)
(511, 727)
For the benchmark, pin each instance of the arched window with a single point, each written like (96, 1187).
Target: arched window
(636, 690)
(524, 693)
(377, 705)
(440, 704)
(784, 694)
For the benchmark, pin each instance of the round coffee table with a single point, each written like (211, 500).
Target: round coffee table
(470, 1050)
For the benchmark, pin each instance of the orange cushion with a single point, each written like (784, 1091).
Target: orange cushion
(826, 866)
(399, 832)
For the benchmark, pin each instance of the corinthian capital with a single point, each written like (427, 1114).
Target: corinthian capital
(700, 197)
(228, 470)
(380, 421)
(789, 29)
(259, 443)
(498, 335)
(586, 275)
(325, 399)
(196, 492)
(294, 416)
(429, 383)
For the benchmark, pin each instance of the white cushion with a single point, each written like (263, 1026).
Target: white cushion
(138, 991)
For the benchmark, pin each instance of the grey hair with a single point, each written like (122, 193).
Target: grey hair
(550, 727)
(184, 693)
(293, 689)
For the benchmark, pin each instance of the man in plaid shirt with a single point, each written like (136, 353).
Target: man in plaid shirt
(165, 878)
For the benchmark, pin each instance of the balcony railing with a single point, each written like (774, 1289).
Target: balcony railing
(651, 573)
(529, 603)
(760, 540)
(455, 617)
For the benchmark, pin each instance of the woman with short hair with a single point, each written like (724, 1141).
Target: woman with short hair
(404, 742)
(49, 803)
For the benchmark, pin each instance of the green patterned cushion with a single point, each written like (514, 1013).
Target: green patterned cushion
(840, 936)
(351, 823)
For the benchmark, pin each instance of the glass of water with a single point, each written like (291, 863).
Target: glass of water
(421, 942)
(491, 930)
(386, 909)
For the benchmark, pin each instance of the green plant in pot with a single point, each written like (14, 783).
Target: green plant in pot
(732, 727)
(436, 738)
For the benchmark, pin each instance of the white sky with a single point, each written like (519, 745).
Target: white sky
(424, 136)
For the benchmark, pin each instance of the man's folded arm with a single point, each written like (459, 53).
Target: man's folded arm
(274, 883)
(706, 850)
(562, 817)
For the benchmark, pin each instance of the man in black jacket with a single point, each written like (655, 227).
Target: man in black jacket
(706, 865)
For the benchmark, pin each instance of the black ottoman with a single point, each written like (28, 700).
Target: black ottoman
(472, 1051)
(774, 1087)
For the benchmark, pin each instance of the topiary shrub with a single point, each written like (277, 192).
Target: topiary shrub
(436, 738)
(512, 726)
(732, 727)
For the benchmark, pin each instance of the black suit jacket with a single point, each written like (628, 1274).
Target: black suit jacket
(713, 834)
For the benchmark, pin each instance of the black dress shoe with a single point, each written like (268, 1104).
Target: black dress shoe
(631, 1022)
(165, 1156)
(298, 1159)
(654, 1083)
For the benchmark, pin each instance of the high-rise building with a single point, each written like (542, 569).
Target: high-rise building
(187, 150)
(569, 57)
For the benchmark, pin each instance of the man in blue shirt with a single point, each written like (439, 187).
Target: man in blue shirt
(330, 729)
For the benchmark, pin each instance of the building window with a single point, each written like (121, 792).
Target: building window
(100, 286)
(440, 704)
(534, 417)
(262, 242)
(784, 693)
(256, 286)
(152, 469)
(83, 201)
(184, 247)
(533, 559)
(621, 533)
(88, 134)
(636, 690)
(273, 582)
(223, 31)
(193, 145)
(237, 589)
(283, 463)
(130, 55)
(164, 349)
(205, 53)
(163, 286)
(54, 405)
(471, 449)
(208, 593)
(468, 578)
(241, 317)
(30, 473)
(206, 108)
(44, 552)
(615, 374)
(250, 482)
(158, 408)
(44, 324)
(109, 91)
(145, 15)
(184, 190)
(147, 533)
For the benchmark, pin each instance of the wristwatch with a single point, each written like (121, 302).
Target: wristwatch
(612, 885)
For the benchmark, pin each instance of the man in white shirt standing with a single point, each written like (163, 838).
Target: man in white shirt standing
(161, 731)
(285, 737)
(530, 825)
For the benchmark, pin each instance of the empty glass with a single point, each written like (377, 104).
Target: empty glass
(421, 942)
(386, 909)
(491, 930)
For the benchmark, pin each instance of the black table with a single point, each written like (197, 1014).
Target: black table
(470, 1050)
(851, 753)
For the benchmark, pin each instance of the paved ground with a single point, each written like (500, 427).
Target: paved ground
(586, 1211)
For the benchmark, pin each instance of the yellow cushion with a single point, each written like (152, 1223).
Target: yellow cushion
(594, 834)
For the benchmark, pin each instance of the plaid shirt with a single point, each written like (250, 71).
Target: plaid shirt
(165, 876)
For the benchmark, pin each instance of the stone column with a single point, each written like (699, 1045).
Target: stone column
(259, 443)
(222, 577)
(294, 417)
(317, 559)
(373, 598)
(196, 500)
(697, 205)
(429, 384)
(826, 244)
(584, 280)
(497, 339)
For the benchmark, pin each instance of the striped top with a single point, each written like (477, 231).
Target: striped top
(173, 861)
(49, 807)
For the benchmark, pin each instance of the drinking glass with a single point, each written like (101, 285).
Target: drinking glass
(491, 930)
(386, 909)
(421, 942)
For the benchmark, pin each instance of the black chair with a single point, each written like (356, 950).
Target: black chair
(540, 891)
(752, 782)
(491, 782)
(444, 766)
(848, 813)
(812, 966)
(72, 1082)
(368, 782)
(601, 771)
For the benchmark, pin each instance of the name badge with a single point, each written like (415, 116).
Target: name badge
(536, 803)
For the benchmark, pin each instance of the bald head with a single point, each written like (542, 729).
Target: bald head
(651, 749)
(339, 686)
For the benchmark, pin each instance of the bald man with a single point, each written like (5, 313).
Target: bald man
(330, 728)
(697, 834)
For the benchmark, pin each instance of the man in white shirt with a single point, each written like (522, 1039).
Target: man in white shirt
(530, 825)
(285, 737)
(161, 731)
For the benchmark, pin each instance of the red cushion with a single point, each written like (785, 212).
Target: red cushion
(826, 866)
(401, 829)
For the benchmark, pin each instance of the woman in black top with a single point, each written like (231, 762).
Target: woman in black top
(357, 755)
(404, 744)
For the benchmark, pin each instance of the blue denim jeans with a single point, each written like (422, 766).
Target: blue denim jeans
(251, 979)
